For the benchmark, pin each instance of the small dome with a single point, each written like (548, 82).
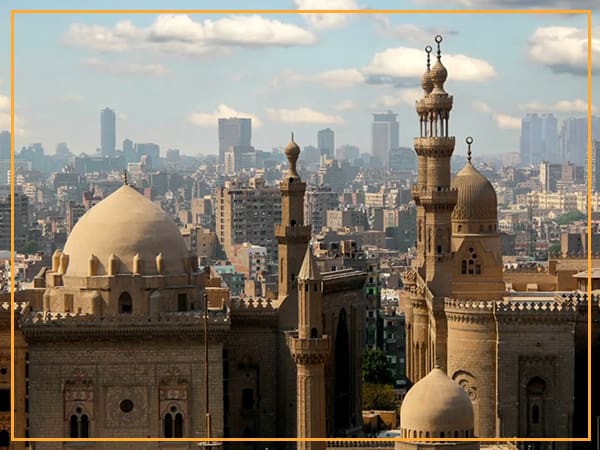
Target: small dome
(439, 74)
(292, 149)
(426, 82)
(476, 197)
(435, 405)
(125, 224)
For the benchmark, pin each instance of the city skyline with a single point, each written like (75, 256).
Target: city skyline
(170, 77)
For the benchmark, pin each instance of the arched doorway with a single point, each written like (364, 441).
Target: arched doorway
(342, 375)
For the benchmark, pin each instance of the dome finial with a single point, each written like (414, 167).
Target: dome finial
(469, 141)
(428, 50)
(292, 136)
(438, 40)
(125, 177)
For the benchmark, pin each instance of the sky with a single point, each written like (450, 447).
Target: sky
(170, 76)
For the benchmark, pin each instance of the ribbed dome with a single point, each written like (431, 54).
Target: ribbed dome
(125, 224)
(436, 404)
(476, 197)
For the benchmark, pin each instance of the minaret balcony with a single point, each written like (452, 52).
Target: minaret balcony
(292, 232)
(310, 350)
(435, 146)
(440, 196)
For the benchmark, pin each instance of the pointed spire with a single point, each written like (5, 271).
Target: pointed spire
(426, 82)
(438, 71)
(469, 141)
(310, 269)
(428, 50)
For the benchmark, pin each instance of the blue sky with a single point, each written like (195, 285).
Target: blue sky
(169, 77)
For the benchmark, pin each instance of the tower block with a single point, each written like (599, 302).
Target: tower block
(292, 235)
(310, 350)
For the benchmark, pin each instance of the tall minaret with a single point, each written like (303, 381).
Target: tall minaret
(292, 235)
(438, 199)
(421, 185)
(310, 351)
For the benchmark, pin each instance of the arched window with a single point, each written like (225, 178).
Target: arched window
(463, 267)
(125, 303)
(173, 423)
(4, 438)
(79, 424)
(536, 390)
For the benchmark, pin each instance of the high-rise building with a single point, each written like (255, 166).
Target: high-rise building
(5, 145)
(247, 212)
(108, 131)
(539, 139)
(318, 201)
(402, 159)
(347, 153)
(21, 214)
(232, 132)
(384, 135)
(326, 142)
(573, 139)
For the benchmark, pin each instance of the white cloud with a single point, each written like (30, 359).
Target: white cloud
(404, 62)
(337, 78)
(302, 115)
(504, 121)
(326, 20)
(5, 117)
(130, 68)
(205, 119)
(345, 105)
(406, 96)
(482, 107)
(179, 33)
(408, 31)
(565, 106)
(564, 49)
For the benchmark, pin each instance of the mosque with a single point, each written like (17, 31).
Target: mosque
(110, 341)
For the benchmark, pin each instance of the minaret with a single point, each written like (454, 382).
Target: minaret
(435, 147)
(292, 235)
(422, 111)
(310, 350)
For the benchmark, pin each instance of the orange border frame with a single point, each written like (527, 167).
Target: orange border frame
(312, 11)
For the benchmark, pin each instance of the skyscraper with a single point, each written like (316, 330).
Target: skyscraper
(384, 135)
(108, 131)
(573, 139)
(234, 131)
(325, 142)
(5, 145)
(539, 139)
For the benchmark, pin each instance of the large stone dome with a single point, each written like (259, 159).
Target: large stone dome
(125, 224)
(476, 200)
(436, 406)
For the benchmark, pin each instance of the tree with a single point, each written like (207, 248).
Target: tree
(30, 247)
(570, 217)
(379, 396)
(376, 368)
